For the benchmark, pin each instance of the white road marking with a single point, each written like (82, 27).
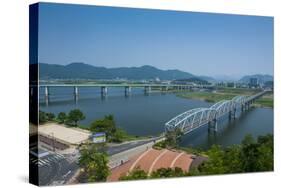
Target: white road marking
(42, 161)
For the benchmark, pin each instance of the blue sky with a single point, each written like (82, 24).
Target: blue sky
(199, 43)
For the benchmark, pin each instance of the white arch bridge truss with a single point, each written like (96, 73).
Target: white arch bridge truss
(195, 118)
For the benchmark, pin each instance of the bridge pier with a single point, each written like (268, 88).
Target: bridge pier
(47, 96)
(128, 90)
(216, 125)
(103, 91)
(164, 88)
(247, 106)
(147, 90)
(47, 100)
(213, 125)
(232, 114)
(46, 91)
(75, 92)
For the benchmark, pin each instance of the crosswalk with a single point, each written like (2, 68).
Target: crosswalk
(47, 160)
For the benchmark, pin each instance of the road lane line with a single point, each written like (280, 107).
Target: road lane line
(175, 159)
(139, 158)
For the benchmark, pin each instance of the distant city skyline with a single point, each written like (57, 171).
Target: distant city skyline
(198, 43)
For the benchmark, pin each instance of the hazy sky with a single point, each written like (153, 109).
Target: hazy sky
(199, 43)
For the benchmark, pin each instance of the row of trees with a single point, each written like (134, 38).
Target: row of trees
(138, 174)
(250, 156)
(106, 124)
(72, 118)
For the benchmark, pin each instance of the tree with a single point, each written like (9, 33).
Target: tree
(232, 159)
(173, 137)
(62, 117)
(136, 174)
(215, 163)
(119, 135)
(257, 156)
(94, 163)
(42, 117)
(106, 125)
(75, 116)
(250, 156)
(50, 116)
(168, 172)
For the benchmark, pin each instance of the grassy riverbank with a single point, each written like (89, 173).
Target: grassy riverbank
(265, 101)
(227, 94)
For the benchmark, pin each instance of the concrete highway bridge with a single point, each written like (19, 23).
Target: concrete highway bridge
(127, 87)
(198, 117)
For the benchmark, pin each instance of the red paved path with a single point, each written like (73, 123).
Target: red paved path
(153, 160)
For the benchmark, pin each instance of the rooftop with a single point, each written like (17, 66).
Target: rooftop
(63, 133)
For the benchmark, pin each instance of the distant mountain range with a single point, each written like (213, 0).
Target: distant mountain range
(262, 78)
(86, 71)
(196, 80)
(146, 72)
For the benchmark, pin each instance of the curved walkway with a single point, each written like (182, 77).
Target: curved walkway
(152, 160)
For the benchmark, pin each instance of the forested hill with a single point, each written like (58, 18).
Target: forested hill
(86, 71)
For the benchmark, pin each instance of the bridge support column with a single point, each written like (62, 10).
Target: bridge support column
(47, 95)
(164, 88)
(247, 106)
(213, 125)
(128, 90)
(75, 93)
(147, 90)
(103, 91)
(46, 91)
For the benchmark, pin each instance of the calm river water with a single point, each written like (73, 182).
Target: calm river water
(142, 115)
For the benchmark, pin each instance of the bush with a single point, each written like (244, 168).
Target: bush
(136, 174)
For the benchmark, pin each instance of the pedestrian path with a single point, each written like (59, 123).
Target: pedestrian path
(152, 160)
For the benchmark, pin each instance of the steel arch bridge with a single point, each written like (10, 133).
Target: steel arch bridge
(195, 118)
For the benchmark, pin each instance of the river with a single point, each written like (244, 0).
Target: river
(145, 115)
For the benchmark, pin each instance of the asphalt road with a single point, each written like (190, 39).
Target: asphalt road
(56, 169)
(112, 150)
(53, 169)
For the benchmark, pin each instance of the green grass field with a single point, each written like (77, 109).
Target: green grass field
(227, 94)
(265, 101)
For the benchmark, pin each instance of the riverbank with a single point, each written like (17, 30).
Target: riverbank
(265, 101)
(228, 94)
